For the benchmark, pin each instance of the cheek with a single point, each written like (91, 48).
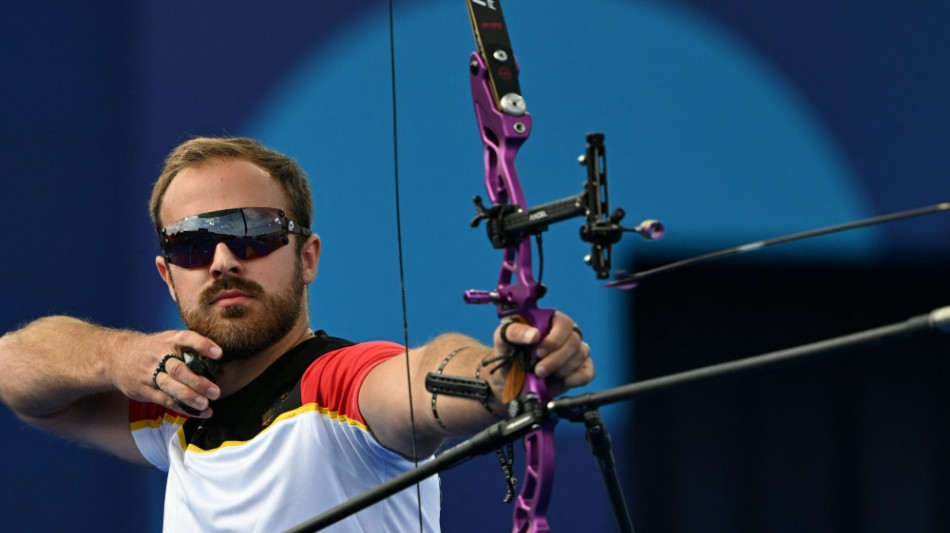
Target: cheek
(274, 272)
(188, 285)
(273, 280)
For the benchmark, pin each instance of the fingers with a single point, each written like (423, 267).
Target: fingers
(173, 384)
(582, 376)
(563, 356)
(180, 383)
(562, 352)
(195, 343)
(512, 332)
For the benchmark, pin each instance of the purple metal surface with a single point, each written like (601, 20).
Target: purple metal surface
(517, 290)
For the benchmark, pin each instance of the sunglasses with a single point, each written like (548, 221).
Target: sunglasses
(249, 232)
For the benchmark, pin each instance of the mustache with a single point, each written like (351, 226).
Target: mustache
(252, 288)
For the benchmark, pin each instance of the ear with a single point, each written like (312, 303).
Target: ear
(310, 258)
(166, 275)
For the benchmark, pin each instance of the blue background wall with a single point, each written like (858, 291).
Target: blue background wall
(728, 122)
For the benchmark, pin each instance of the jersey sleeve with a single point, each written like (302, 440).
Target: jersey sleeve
(153, 427)
(333, 381)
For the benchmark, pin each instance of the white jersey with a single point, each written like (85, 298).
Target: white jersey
(282, 450)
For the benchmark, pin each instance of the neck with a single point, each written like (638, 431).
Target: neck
(232, 376)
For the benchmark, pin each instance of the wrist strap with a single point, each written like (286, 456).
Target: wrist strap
(458, 386)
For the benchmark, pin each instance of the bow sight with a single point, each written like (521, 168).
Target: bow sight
(507, 224)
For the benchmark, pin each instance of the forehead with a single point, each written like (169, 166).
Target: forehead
(218, 184)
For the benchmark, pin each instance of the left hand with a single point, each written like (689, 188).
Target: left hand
(563, 357)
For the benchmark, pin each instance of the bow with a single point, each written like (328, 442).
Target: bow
(505, 124)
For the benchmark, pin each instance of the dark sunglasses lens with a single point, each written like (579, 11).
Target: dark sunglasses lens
(253, 247)
(191, 250)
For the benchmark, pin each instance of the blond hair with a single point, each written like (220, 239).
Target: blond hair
(200, 149)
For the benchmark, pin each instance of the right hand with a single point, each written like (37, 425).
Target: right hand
(133, 373)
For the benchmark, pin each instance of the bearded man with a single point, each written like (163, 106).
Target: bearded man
(260, 421)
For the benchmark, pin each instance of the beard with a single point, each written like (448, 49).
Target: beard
(240, 331)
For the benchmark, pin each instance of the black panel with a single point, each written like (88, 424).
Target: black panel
(857, 442)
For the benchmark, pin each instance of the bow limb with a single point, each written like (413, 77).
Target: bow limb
(505, 125)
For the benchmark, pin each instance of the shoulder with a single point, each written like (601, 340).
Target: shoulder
(351, 361)
(334, 380)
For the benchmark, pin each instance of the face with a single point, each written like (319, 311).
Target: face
(247, 305)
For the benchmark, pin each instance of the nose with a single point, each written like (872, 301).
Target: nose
(225, 263)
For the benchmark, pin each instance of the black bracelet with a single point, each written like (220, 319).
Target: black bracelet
(161, 368)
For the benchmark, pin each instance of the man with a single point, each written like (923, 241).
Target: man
(287, 422)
